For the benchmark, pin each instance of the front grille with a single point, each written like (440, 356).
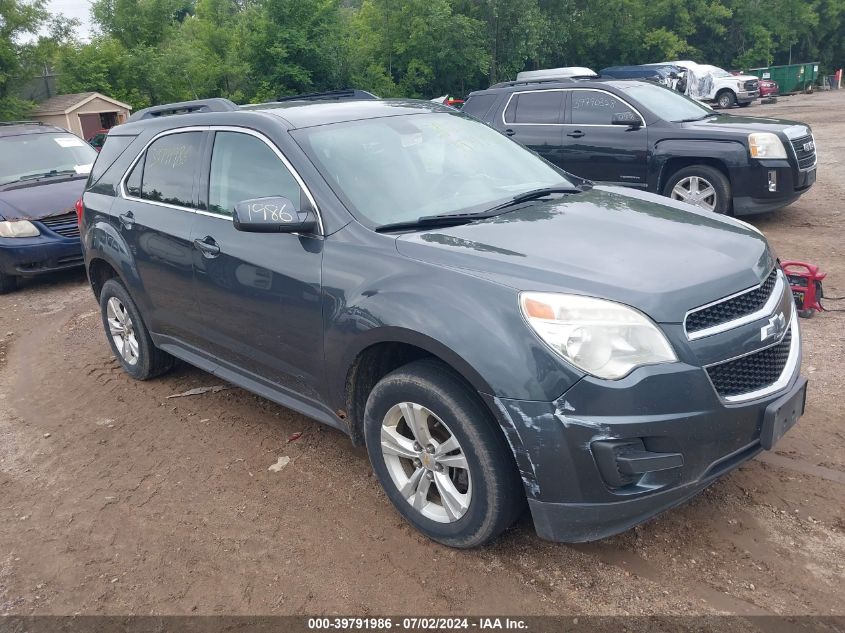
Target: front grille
(805, 151)
(64, 224)
(751, 84)
(752, 372)
(733, 308)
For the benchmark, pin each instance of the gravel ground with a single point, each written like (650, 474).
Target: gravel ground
(115, 499)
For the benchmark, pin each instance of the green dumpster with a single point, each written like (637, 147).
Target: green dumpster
(791, 78)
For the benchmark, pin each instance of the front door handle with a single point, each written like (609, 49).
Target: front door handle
(208, 247)
(127, 219)
(576, 134)
(509, 132)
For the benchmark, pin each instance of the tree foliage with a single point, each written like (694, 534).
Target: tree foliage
(152, 51)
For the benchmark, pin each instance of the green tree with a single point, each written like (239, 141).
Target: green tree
(18, 18)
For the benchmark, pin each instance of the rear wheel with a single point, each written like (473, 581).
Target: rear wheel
(439, 457)
(128, 335)
(726, 99)
(7, 283)
(702, 186)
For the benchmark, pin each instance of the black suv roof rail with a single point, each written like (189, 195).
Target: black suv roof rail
(217, 104)
(550, 80)
(331, 95)
(22, 123)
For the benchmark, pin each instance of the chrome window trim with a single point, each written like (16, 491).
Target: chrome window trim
(766, 310)
(607, 92)
(786, 375)
(216, 128)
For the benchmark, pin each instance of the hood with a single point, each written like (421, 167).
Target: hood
(40, 199)
(745, 77)
(736, 123)
(636, 248)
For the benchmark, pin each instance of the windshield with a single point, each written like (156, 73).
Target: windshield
(668, 104)
(30, 156)
(401, 168)
(716, 71)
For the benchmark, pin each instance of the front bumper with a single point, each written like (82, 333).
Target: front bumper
(751, 189)
(747, 96)
(36, 255)
(673, 409)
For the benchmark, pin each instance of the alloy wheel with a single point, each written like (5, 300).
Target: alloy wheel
(426, 462)
(697, 191)
(122, 330)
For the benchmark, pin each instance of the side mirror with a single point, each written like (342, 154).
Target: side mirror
(631, 119)
(272, 215)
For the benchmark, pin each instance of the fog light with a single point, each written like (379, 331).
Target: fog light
(773, 180)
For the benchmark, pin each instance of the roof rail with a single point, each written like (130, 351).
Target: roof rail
(331, 95)
(22, 123)
(185, 107)
(555, 80)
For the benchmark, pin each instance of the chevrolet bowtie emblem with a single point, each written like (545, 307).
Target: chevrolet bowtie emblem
(774, 328)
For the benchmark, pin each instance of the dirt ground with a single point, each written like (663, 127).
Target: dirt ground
(115, 499)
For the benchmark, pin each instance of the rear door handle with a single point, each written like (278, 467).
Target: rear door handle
(208, 247)
(127, 219)
(576, 134)
(509, 132)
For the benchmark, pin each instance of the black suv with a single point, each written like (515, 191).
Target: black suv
(642, 135)
(43, 170)
(493, 329)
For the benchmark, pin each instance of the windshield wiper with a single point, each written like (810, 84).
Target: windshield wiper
(47, 174)
(431, 221)
(454, 219)
(698, 118)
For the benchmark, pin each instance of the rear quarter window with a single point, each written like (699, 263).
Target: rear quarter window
(479, 105)
(112, 149)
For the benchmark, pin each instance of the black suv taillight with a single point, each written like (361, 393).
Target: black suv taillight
(80, 207)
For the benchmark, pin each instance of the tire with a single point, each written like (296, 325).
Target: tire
(142, 360)
(719, 202)
(744, 104)
(8, 283)
(490, 496)
(726, 99)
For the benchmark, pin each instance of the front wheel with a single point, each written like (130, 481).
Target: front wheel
(726, 99)
(440, 458)
(702, 186)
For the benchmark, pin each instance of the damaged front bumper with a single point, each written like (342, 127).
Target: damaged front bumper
(608, 455)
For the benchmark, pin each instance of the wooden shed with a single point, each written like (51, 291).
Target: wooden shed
(84, 113)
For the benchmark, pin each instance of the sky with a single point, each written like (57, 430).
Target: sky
(79, 9)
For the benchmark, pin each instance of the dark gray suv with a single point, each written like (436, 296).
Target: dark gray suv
(494, 329)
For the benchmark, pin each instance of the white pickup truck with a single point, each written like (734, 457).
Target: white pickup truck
(714, 84)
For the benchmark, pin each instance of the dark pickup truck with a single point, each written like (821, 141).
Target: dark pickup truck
(641, 135)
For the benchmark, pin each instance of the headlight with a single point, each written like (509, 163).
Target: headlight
(18, 228)
(766, 145)
(603, 338)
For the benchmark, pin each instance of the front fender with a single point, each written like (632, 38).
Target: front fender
(378, 295)
(733, 154)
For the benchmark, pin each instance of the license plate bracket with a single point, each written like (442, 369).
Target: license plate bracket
(782, 414)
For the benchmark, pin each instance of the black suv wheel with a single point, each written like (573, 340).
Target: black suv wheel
(702, 186)
(128, 335)
(439, 457)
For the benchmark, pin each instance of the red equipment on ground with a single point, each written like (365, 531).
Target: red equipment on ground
(806, 283)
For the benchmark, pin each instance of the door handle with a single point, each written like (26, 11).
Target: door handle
(208, 247)
(127, 219)
(576, 134)
(509, 132)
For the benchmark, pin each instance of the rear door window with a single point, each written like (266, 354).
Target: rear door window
(543, 107)
(244, 167)
(596, 107)
(166, 171)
